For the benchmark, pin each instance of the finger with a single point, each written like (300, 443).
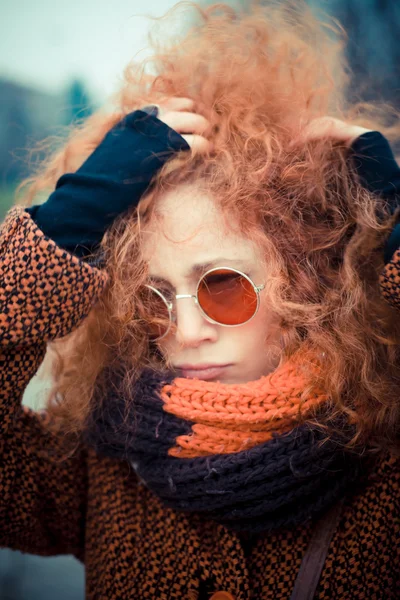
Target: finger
(319, 128)
(186, 122)
(333, 128)
(177, 103)
(327, 127)
(322, 127)
(198, 143)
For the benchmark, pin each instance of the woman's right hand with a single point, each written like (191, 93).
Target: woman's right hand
(117, 173)
(178, 113)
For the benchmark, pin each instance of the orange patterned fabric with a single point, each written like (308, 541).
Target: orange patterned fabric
(390, 280)
(94, 508)
(232, 418)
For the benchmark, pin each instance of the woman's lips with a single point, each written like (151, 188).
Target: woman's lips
(203, 373)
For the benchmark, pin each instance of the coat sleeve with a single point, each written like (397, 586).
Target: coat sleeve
(390, 280)
(45, 293)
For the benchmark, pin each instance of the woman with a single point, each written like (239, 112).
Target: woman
(224, 422)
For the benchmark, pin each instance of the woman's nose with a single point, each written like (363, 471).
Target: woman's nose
(191, 326)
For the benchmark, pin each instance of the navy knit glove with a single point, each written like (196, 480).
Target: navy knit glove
(379, 173)
(112, 179)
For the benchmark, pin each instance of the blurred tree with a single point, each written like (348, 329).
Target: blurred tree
(27, 116)
(79, 103)
(18, 126)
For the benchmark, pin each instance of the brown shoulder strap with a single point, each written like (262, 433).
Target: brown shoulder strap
(314, 558)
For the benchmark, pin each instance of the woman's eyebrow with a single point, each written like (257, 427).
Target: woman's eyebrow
(199, 268)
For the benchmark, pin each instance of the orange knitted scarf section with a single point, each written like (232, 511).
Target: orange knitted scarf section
(229, 418)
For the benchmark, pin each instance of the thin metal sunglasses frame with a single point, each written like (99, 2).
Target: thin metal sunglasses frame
(170, 305)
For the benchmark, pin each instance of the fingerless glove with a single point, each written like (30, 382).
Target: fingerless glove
(112, 179)
(379, 172)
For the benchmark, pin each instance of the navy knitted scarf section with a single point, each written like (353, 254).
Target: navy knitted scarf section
(283, 482)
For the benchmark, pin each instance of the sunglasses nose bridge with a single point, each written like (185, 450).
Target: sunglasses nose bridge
(179, 296)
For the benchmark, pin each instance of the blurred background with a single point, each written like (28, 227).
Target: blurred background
(61, 61)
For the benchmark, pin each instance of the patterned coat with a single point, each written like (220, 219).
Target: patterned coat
(96, 509)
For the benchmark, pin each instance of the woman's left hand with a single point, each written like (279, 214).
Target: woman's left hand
(330, 127)
(376, 165)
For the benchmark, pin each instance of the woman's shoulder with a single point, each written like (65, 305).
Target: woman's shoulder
(388, 470)
(385, 476)
(378, 499)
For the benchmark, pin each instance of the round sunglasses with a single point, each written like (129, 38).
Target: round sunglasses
(225, 296)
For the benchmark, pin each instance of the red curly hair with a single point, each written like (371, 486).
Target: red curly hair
(259, 77)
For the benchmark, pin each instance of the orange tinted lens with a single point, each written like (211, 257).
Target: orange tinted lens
(227, 297)
(156, 313)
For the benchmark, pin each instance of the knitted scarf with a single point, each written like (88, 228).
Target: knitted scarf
(240, 454)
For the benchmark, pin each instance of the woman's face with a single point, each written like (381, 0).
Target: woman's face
(197, 234)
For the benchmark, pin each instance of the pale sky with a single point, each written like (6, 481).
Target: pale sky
(43, 43)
